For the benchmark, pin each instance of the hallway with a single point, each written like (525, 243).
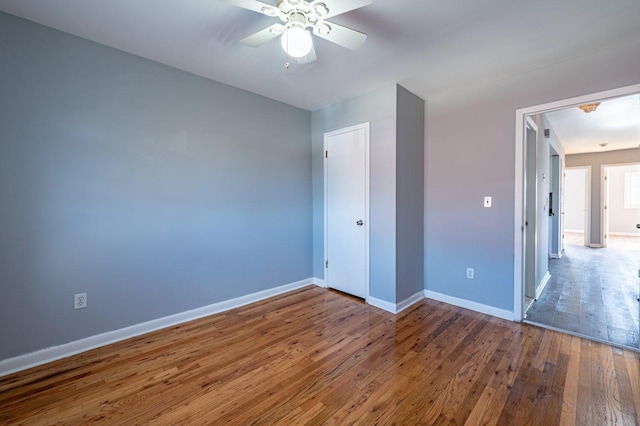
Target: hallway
(593, 293)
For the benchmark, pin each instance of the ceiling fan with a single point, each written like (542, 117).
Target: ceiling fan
(298, 18)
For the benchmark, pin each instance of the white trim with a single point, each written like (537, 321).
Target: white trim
(367, 166)
(555, 255)
(595, 246)
(521, 113)
(382, 304)
(575, 231)
(319, 282)
(530, 218)
(543, 284)
(587, 208)
(604, 201)
(409, 301)
(625, 234)
(33, 359)
(397, 307)
(519, 219)
(467, 304)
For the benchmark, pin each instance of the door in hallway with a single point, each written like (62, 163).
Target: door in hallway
(346, 212)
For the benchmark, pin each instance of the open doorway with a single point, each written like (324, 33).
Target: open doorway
(621, 206)
(584, 284)
(577, 198)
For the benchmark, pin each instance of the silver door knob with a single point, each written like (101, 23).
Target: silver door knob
(359, 223)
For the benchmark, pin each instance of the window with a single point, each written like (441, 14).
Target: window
(632, 190)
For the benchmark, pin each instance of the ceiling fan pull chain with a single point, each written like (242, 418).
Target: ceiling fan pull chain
(286, 54)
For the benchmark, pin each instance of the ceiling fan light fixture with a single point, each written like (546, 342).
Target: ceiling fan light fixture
(297, 42)
(589, 107)
(320, 9)
(322, 29)
(302, 21)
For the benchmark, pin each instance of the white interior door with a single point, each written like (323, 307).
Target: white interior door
(346, 209)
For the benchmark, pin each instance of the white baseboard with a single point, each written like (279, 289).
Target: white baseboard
(409, 301)
(625, 234)
(382, 304)
(395, 308)
(467, 304)
(543, 284)
(594, 246)
(33, 359)
(555, 255)
(575, 231)
(319, 282)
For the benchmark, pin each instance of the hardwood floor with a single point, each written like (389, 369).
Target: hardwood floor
(314, 356)
(593, 292)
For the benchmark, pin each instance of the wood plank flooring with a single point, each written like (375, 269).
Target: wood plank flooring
(315, 356)
(593, 292)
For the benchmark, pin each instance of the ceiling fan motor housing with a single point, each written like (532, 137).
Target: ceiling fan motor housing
(309, 14)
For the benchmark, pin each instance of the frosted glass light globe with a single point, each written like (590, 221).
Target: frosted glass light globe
(296, 42)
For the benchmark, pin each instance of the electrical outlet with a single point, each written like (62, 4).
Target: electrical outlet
(79, 300)
(470, 273)
(487, 202)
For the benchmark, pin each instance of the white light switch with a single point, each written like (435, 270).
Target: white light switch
(487, 201)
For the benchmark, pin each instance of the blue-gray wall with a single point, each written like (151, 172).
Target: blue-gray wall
(378, 108)
(137, 182)
(470, 153)
(150, 189)
(409, 195)
(396, 115)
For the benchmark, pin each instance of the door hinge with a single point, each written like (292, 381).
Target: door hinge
(326, 154)
(326, 263)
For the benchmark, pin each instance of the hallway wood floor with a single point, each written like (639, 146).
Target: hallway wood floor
(314, 356)
(593, 292)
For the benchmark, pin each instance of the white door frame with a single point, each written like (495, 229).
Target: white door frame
(604, 205)
(519, 212)
(604, 196)
(531, 223)
(366, 126)
(587, 203)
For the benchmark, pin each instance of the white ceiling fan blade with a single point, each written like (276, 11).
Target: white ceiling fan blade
(261, 37)
(255, 5)
(343, 36)
(340, 7)
(310, 57)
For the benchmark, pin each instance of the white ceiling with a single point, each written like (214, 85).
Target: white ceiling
(428, 46)
(615, 122)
